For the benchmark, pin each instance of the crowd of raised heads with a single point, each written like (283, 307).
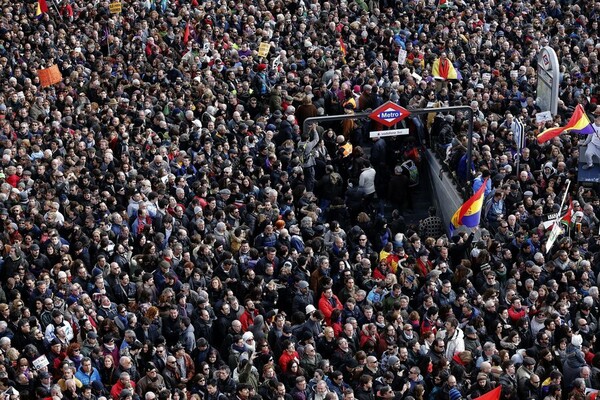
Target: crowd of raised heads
(170, 228)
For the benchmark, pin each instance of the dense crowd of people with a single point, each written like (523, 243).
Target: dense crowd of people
(171, 230)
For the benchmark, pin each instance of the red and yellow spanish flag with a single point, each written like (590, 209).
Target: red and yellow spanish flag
(443, 69)
(469, 214)
(579, 123)
(42, 8)
(342, 47)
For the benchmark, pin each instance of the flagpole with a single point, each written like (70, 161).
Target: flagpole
(562, 204)
(556, 228)
(57, 11)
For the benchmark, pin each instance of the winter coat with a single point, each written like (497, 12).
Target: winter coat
(328, 305)
(366, 180)
(454, 344)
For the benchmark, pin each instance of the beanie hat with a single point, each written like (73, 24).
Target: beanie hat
(454, 394)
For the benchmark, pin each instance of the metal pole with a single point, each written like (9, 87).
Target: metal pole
(470, 144)
(328, 118)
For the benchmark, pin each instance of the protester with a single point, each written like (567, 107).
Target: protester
(170, 228)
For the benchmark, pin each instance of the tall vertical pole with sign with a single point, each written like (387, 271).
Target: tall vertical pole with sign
(548, 80)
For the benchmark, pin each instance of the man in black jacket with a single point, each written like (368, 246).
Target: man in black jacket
(365, 388)
(171, 328)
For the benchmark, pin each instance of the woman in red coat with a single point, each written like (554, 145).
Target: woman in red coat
(328, 303)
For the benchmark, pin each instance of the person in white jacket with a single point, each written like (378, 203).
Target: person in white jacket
(593, 144)
(366, 181)
(453, 336)
(58, 320)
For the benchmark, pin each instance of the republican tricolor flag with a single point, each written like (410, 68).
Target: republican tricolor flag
(579, 123)
(469, 214)
(42, 8)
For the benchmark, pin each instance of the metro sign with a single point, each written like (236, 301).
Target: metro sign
(389, 114)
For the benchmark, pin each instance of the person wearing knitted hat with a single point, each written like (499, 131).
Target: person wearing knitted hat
(454, 394)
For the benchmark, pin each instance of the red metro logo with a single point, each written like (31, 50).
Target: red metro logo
(389, 114)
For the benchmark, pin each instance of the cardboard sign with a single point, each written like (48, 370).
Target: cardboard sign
(49, 76)
(40, 362)
(115, 8)
(263, 49)
(542, 117)
(402, 56)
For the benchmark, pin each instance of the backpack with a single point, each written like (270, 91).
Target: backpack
(260, 85)
(413, 172)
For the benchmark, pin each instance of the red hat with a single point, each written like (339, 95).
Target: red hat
(261, 67)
